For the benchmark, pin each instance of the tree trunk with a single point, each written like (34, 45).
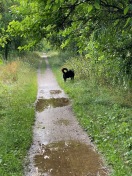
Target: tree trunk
(6, 52)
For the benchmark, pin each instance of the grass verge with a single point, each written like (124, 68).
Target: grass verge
(105, 113)
(18, 88)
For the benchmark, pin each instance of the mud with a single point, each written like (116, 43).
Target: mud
(63, 122)
(51, 103)
(68, 158)
(60, 146)
(55, 91)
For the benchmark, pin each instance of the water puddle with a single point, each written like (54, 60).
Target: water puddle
(52, 102)
(55, 91)
(62, 122)
(69, 158)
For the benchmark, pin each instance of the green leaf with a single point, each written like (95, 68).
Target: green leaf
(90, 7)
(65, 43)
(97, 6)
(116, 22)
(128, 21)
(126, 10)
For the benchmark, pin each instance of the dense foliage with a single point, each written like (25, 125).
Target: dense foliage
(64, 22)
(99, 29)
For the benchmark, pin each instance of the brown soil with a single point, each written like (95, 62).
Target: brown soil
(60, 146)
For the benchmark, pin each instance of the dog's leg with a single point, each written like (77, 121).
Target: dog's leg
(64, 77)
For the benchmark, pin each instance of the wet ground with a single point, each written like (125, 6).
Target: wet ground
(60, 146)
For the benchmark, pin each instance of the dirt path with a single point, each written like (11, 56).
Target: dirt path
(60, 146)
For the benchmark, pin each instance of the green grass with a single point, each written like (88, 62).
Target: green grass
(105, 113)
(18, 89)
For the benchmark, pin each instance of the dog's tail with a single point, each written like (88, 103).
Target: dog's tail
(64, 70)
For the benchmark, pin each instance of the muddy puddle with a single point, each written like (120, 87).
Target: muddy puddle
(63, 122)
(55, 91)
(43, 104)
(68, 158)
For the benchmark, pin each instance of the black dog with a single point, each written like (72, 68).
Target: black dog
(67, 74)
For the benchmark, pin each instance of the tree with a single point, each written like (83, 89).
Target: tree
(62, 18)
(8, 43)
(107, 23)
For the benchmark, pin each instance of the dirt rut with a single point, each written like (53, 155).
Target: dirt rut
(60, 146)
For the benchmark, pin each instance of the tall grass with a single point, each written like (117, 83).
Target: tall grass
(103, 110)
(18, 88)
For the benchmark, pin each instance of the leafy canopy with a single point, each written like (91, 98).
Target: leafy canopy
(64, 22)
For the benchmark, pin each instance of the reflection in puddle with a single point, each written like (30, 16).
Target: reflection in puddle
(69, 158)
(52, 102)
(55, 91)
